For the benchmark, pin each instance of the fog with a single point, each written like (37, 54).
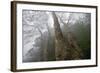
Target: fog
(38, 33)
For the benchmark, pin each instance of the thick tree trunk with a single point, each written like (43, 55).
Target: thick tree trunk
(65, 49)
(60, 46)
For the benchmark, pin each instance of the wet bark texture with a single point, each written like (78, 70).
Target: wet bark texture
(60, 46)
(65, 49)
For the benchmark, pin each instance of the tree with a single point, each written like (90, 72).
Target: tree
(49, 36)
(60, 46)
(65, 48)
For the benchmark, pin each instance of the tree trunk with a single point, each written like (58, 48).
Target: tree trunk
(60, 45)
(65, 49)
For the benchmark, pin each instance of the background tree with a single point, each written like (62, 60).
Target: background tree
(67, 46)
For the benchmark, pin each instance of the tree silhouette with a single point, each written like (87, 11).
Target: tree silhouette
(66, 49)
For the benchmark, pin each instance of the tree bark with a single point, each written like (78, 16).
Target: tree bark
(65, 49)
(60, 44)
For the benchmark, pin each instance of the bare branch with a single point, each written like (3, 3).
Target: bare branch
(66, 24)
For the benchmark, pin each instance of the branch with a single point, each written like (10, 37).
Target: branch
(67, 20)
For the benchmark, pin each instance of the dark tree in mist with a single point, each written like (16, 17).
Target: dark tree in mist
(60, 46)
(65, 48)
